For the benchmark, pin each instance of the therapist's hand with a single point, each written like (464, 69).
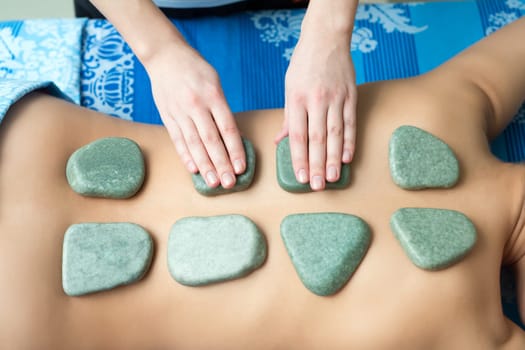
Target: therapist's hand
(191, 103)
(320, 109)
(186, 90)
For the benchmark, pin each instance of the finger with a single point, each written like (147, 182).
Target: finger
(230, 136)
(298, 138)
(283, 132)
(198, 151)
(349, 128)
(334, 141)
(180, 145)
(317, 146)
(215, 148)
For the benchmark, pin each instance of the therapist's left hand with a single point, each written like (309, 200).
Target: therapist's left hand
(320, 108)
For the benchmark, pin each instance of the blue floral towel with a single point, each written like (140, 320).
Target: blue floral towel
(43, 50)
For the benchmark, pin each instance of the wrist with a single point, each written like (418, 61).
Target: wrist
(164, 41)
(329, 20)
(151, 53)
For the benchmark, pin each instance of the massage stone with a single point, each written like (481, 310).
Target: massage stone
(286, 176)
(206, 250)
(325, 248)
(420, 160)
(99, 257)
(433, 238)
(110, 167)
(243, 180)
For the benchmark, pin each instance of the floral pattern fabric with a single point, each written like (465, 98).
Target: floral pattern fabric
(43, 50)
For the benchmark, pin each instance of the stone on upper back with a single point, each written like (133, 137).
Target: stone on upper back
(110, 167)
(433, 238)
(99, 257)
(420, 160)
(205, 250)
(286, 176)
(325, 248)
(243, 181)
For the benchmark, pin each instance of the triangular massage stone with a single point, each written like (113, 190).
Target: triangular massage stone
(325, 248)
(420, 160)
(433, 238)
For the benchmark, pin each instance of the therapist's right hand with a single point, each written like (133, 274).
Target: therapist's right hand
(192, 106)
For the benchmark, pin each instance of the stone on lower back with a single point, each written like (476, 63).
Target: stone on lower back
(99, 257)
(420, 160)
(286, 176)
(325, 248)
(206, 250)
(110, 167)
(433, 238)
(243, 181)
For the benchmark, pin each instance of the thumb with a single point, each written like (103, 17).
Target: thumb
(282, 133)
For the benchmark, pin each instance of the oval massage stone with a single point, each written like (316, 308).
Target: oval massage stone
(325, 248)
(206, 250)
(98, 257)
(433, 238)
(286, 176)
(420, 160)
(243, 180)
(110, 167)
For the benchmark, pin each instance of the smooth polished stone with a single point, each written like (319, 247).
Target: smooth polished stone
(420, 160)
(206, 250)
(286, 176)
(243, 180)
(99, 257)
(325, 248)
(433, 238)
(110, 167)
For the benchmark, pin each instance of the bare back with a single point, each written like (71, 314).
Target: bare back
(388, 302)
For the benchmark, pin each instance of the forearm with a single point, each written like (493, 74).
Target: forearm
(333, 20)
(144, 27)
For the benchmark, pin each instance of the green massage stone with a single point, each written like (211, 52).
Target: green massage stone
(420, 160)
(206, 250)
(243, 180)
(325, 248)
(110, 167)
(286, 175)
(99, 257)
(433, 238)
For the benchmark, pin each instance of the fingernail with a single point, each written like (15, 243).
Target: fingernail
(227, 180)
(347, 156)
(211, 177)
(238, 166)
(301, 175)
(316, 183)
(331, 174)
(191, 165)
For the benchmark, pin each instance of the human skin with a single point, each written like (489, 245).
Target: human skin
(321, 95)
(388, 303)
(320, 92)
(186, 90)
